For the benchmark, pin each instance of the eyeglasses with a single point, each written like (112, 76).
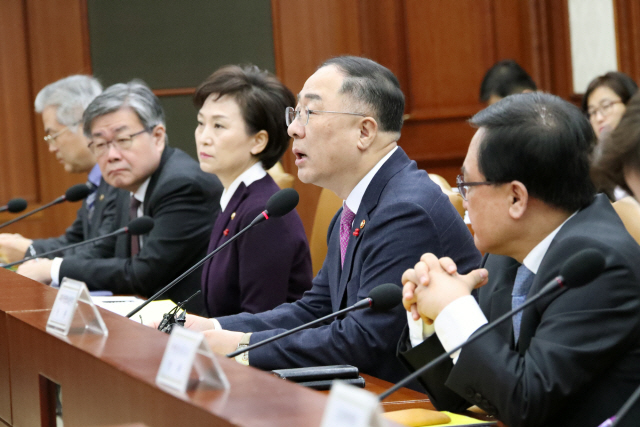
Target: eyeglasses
(605, 108)
(50, 139)
(100, 147)
(463, 187)
(303, 114)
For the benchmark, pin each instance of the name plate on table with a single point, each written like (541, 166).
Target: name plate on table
(185, 351)
(73, 307)
(350, 406)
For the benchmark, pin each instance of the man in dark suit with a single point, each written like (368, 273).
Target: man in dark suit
(345, 129)
(572, 359)
(61, 104)
(127, 132)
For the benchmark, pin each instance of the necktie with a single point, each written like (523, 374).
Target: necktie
(521, 286)
(91, 199)
(345, 230)
(134, 204)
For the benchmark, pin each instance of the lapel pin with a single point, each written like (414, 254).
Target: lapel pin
(101, 197)
(226, 232)
(233, 215)
(356, 232)
(363, 223)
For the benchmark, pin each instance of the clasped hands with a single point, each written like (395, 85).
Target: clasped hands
(435, 283)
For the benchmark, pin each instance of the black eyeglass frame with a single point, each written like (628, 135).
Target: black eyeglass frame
(463, 186)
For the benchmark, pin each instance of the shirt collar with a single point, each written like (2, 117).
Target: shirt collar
(534, 258)
(95, 175)
(140, 192)
(248, 177)
(355, 197)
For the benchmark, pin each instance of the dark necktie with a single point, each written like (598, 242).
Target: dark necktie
(91, 199)
(134, 204)
(521, 286)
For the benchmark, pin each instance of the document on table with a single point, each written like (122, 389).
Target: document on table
(124, 304)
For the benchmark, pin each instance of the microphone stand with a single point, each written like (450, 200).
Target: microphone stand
(550, 287)
(615, 420)
(55, 202)
(261, 217)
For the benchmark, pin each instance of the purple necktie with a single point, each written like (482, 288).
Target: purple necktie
(345, 230)
(133, 214)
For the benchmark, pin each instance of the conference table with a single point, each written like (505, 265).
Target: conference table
(110, 381)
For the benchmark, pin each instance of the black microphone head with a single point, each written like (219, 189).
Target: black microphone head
(385, 297)
(283, 202)
(16, 205)
(77, 193)
(141, 225)
(582, 268)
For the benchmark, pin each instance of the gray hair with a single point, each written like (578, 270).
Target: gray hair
(135, 95)
(71, 96)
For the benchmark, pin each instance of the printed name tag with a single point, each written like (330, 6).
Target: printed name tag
(350, 406)
(70, 294)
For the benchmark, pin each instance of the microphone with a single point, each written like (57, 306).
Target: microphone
(141, 225)
(73, 194)
(580, 269)
(281, 203)
(14, 206)
(381, 298)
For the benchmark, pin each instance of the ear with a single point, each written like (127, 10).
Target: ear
(259, 143)
(368, 131)
(518, 199)
(159, 136)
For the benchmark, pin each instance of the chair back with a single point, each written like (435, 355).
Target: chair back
(283, 179)
(628, 210)
(328, 205)
(454, 197)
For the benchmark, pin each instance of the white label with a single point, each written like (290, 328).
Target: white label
(65, 306)
(178, 358)
(350, 406)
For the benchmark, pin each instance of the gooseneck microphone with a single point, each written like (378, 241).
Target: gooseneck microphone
(381, 298)
(14, 206)
(281, 203)
(578, 270)
(138, 226)
(73, 194)
(624, 410)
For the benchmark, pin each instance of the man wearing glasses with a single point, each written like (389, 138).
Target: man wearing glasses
(125, 125)
(345, 129)
(571, 359)
(61, 104)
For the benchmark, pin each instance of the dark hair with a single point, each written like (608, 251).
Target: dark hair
(505, 78)
(262, 100)
(373, 85)
(541, 141)
(620, 149)
(620, 83)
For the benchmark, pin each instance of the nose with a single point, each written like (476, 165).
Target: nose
(295, 129)
(113, 154)
(465, 204)
(52, 148)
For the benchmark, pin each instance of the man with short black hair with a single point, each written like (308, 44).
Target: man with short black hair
(345, 130)
(574, 357)
(503, 79)
(127, 131)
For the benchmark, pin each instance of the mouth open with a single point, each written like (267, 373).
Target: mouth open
(299, 154)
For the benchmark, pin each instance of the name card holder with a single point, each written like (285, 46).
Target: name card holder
(73, 310)
(187, 353)
(350, 406)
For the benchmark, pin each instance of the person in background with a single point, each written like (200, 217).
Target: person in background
(241, 133)
(126, 127)
(604, 103)
(61, 105)
(572, 359)
(503, 79)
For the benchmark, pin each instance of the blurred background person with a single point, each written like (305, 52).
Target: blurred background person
(505, 78)
(241, 133)
(604, 103)
(61, 105)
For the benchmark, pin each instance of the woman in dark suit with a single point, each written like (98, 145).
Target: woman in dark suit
(241, 133)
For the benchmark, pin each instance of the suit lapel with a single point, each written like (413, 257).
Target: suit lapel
(500, 298)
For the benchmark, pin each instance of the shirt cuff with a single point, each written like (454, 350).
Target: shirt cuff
(55, 271)
(216, 325)
(457, 321)
(418, 330)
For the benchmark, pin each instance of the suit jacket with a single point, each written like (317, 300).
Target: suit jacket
(267, 266)
(101, 222)
(402, 215)
(578, 355)
(181, 199)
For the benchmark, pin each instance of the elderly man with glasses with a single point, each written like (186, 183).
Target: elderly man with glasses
(61, 104)
(126, 128)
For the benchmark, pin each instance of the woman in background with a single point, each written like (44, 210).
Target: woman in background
(604, 103)
(241, 133)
